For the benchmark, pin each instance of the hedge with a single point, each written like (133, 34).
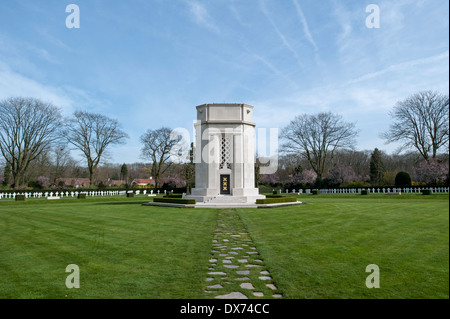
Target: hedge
(274, 196)
(130, 194)
(426, 192)
(20, 197)
(364, 192)
(175, 200)
(276, 200)
(173, 196)
(82, 196)
(315, 192)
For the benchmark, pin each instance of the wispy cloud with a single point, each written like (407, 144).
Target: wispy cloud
(401, 66)
(306, 30)
(201, 16)
(237, 14)
(14, 84)
(279, 33)
(344, 19)
(46, 35)
(18, 48)
(67, 97)
(275, 70)
(41, 53)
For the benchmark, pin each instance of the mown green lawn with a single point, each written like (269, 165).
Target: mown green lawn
(123, 249)
(317, 250)
(321, 249)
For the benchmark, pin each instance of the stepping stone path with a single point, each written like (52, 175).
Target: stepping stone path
(236, 269)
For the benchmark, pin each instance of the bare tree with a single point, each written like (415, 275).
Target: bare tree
(158, 147)
(92, 134)
(28, 127)
(317, 138)
(421, 122)
(61, 160)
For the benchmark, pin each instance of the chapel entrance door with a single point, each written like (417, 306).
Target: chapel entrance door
(225, 185)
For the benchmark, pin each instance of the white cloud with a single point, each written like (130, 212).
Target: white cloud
(344, 19)
(365, 100)
(201, 16)
(275, 70)
(306, 30)
(283, 38)
(401, 66)
(14, 84)
(66, 97)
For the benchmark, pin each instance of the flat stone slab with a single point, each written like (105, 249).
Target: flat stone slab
(271, 286)
(252, 266)
(265, 272)
(243, 261)
(258, 294)
(265, 278)
(277, 296)
(231, 266)
(233, 295)
(215, 287)
(218, 273)
(247, 285)
(243, 272)
(242, 279)
(226, 261)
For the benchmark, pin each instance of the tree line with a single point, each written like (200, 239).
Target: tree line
(29, 128)
(316, 149)
(322, 146)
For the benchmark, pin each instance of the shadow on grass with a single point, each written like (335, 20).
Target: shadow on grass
(124, 203)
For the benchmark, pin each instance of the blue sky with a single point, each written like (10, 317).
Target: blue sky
(148, 63)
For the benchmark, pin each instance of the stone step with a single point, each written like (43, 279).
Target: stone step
(228, 199)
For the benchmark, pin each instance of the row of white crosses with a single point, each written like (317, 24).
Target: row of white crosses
(72, 194)
(60, 194)
(371, 190)
(67, 194)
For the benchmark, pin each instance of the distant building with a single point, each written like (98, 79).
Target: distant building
(112, 182)
(74, 182)
(142, 182)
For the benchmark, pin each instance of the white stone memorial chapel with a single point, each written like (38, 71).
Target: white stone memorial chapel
(225, 154)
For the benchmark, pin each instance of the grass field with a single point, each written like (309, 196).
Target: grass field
(123, 249)
(321, 250)
(317, 250)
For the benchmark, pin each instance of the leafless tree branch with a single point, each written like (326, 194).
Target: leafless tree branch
(317, 138)
(28, 126)
(92, 134)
